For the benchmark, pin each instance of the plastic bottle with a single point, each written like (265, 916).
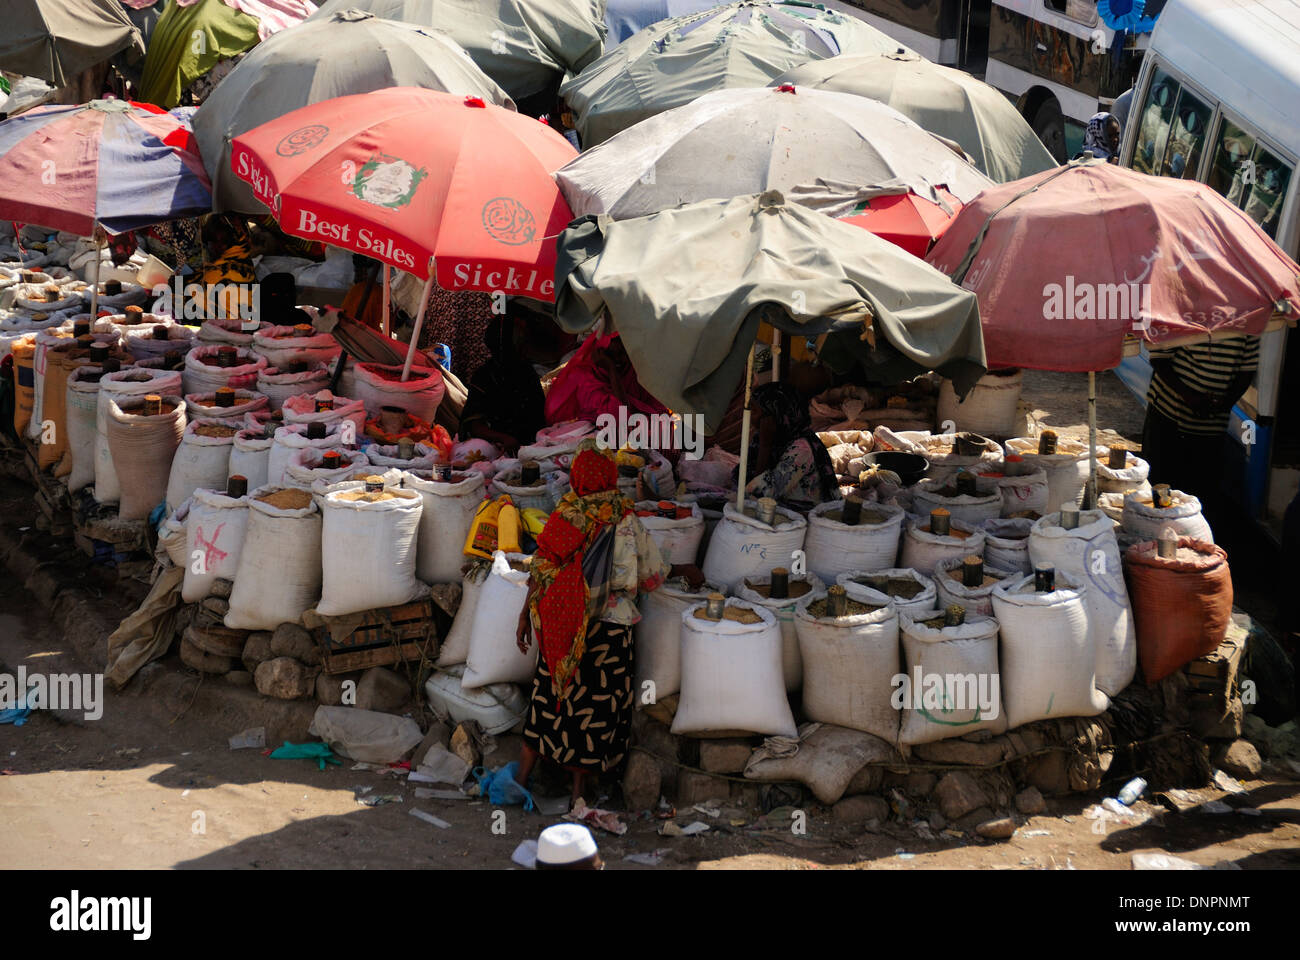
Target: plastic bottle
(1132, 790)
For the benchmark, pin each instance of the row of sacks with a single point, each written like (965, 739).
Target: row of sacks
(1086, 559)
(339, 547)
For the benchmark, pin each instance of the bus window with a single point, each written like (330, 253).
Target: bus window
(1153, 129)
(1250, 175)
(1191, 121)
(1082, 11)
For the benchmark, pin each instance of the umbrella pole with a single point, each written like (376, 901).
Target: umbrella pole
(776, 355)
(94, 283)
(387, 270)
(419, 322)
(1090, 494)
(744, 433)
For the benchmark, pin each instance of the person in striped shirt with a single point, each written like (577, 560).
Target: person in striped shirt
(1193, 389)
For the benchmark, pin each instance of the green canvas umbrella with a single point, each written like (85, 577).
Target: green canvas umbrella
(57, 39)
(738, 45)
(343, 54)
(526, 46)
(187, 42)
(687, 288)
(948, 102)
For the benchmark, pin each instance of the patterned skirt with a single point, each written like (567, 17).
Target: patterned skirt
(590, 727)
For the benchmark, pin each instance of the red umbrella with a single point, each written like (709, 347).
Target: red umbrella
(1069, 262)
(417, 177)
(906, 219)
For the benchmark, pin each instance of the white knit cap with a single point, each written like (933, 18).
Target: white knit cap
(565, 843)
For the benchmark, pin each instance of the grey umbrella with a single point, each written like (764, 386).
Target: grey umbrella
(345, 53)
(674, 61)
(525, 45)
(948, 102)
(733, 142)
(687, 288)
(58, 39)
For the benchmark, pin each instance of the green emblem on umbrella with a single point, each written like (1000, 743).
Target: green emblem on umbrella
(387, 181)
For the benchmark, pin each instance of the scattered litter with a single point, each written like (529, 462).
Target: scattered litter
(525, 854)
(17, 716)
(1068, 819)
(552, 806)
(1227, 783)
(320, 752)
(737, 822)
(361, 791)
(906, 856)
(1114, 806)
(23, 529)
(1215, 806)
(955, 834)
(647, 859)
(665, 810)
(253, 737)
(430, 818)
(1250, 811)
(707, 811)
(1163, 861)
(379, 799)
(424, 793)
(184, 794)
(1035, 833)
(671, 829)
(1028, 861)
(923, 830)
(127, 751)
(594, 816)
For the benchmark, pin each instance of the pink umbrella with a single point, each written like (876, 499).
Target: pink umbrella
(1070, 262)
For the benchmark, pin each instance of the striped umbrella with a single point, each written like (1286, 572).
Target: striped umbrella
(114, 163)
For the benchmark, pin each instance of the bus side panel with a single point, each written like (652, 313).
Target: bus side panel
(1045, 51)
(934, 18)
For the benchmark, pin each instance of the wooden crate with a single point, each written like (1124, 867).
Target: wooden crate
(384, 636)
(1212, 679)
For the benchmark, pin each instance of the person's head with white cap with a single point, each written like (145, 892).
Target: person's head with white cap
(567, 846)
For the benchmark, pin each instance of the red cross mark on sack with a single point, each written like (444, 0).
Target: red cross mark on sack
(211, 555)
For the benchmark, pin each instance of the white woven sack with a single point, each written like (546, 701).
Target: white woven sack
(1129, 479)
(455, 646)
(279, 385)
(202, 375)
(976, 601)
(954, 663)
(444, 523)
(989, 409)
(1146, 522)
(494, 655)
(82, 401)
(544, 496)
(250, 456)
(279, 575)
(302, 409)
(833, 548)
(200, 462)
(658, 637)
(1067, 469)
(974, 509)
(743, 546)
(784, 611)
(280, 347)
(368, 552)
(214, 537)
(1047, 652)
(1021, 494)
(731, 676)
(204, 405)
(497, 708)
(938, 448)
(918, 607)
(1006, 545)
(171, 535)
(678, 540)
(848, 663)
(1089, 555)
(419, 396)
(923, 550)
(292, 438)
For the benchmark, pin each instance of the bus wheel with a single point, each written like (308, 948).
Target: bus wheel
(1049, 124)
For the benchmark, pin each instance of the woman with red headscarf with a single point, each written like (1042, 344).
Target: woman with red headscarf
(593, 557)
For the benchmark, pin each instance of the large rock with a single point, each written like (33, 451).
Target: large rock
(257, 650)
(239, 678)
(218, 641)
(293, 640)
(693, 788)
(1239, 758)
(221, 588)
(198, 659)
(381, 689)
(860, 810)
(964, 751)
(1001, 829)
(463, 743)
(1030, 802)
(641, 782)
(725, 756)
(285, 678)
(959, 794)
(866, 780)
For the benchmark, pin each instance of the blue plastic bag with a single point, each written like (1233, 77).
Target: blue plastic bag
(500, 788)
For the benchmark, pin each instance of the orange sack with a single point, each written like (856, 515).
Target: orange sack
(1181, 607)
